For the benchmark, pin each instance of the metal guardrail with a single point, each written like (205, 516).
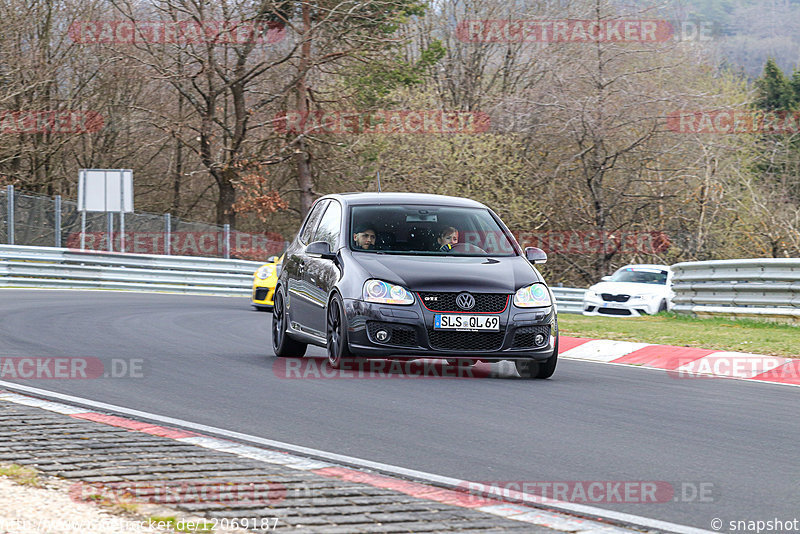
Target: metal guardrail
(764, 288)
(49, 267)
(568, 299)
(22, 266)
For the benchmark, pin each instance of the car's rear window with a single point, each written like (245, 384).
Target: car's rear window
(427, 230)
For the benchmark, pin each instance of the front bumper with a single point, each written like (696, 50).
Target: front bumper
(262, 295)
(596, 306)
(411, 334)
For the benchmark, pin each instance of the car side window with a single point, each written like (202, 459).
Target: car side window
(312, 220)
(330, 225)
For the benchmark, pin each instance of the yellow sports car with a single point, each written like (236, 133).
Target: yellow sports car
(264, 280)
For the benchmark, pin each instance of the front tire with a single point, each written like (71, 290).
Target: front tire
(535, 369)
(336, 333)
(283, 345)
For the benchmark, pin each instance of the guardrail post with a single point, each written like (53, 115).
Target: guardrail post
(227, 232)
(167, 232)
(83, 230)
(110, 228)
(10, 215)
(57, 224)
(122, 231)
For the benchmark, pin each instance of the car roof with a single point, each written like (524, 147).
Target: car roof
(403, 198)
(646, 266)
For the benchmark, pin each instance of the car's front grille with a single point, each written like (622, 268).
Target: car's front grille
(613, 311)
(466, 341)
(608, 297)
(400, 335)
(525, 336)
(446, 302)
(261, 293)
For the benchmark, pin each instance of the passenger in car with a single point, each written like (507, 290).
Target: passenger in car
(448, 237)
(364, 236)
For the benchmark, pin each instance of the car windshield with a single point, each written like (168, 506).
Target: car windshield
(640, 275)
(427, 230)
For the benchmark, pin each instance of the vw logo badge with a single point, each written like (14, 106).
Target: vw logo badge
(465, 301)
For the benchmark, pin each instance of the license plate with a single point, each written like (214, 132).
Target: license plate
(490, 323)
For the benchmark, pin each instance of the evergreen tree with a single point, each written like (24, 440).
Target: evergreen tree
(795, 83)
(779, 164)
(774, 91)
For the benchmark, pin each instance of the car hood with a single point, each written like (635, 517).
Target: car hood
(451, 273)
(629, 288)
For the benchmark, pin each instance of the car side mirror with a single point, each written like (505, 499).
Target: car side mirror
(535, 255)
(320, 249)
(605, 279)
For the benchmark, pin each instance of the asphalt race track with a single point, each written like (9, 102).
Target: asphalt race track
(209, 360)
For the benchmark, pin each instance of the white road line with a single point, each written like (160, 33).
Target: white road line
(359, 462)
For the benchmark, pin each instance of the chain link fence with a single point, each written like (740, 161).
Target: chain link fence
(37, 220)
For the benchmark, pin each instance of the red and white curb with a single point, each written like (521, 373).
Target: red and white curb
(684, 362)
(518, 512)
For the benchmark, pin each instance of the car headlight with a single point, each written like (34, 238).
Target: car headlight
(386, 293)
(265, 271)
(532, 296)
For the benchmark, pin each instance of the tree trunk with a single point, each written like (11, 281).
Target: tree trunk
(227, 196)
(176, 179)
(302, 158)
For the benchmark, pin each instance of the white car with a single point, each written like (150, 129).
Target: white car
(632, 291)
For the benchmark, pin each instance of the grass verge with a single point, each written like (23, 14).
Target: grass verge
(741, 335)
(25, 476)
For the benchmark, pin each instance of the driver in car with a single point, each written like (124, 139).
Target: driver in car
(364, 236)
(448, 238)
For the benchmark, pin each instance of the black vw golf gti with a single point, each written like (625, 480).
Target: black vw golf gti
(404, 276)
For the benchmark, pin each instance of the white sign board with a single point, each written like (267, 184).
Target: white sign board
(109, 190)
